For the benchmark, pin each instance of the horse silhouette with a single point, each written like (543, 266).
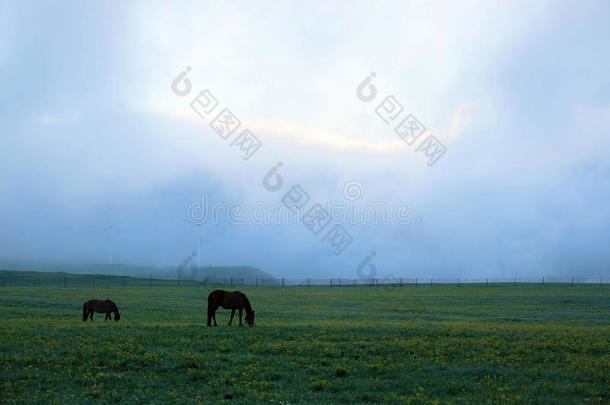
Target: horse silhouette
(106, 307)
(229, 300)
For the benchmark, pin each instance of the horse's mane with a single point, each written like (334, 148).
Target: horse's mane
(248, 306)
(114, 307)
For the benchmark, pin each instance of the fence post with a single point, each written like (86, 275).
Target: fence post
(308, 282)
(515, 282)
(601, 279)
(354, 282)
(150, 279)
(339, 281)
(400, 281)
(487, 282)
(415, 282)
(572, 281)
(205, 281)
(256, 282)
(331, 282)
(542, 280)
(283, 281)
(458, 282)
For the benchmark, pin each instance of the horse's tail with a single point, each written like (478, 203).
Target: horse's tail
(210, 308)
(85, 311)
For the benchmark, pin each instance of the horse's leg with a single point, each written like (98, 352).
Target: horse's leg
(214, 317)
(240, 310)
(232, 314)
(107, 316)
(91, 314)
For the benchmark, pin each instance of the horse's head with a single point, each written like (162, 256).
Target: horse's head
(117, 316)
(250, 318)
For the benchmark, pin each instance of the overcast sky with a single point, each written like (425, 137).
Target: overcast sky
(92, 135)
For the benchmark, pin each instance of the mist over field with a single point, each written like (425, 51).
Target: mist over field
(100, 160)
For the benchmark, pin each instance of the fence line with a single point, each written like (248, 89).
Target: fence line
(105, 281)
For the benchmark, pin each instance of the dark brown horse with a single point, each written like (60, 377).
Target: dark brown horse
(105, 307)
(229, 300)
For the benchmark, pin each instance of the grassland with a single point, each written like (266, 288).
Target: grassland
(427, 344)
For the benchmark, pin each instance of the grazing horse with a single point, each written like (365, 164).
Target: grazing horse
(229, 300)
(104, 307)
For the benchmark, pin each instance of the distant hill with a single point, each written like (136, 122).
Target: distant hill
(25, 278)
(187, 272)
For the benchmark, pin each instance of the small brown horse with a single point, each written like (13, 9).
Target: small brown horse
(229, 300)
(106, 307)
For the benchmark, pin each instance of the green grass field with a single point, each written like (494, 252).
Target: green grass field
(426, 344)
